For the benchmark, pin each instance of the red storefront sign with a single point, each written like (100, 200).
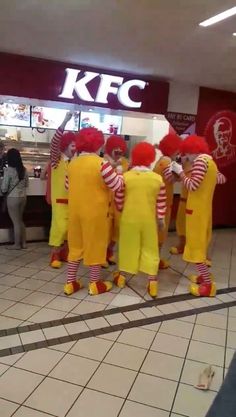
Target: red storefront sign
(56, 81)
(182, 123)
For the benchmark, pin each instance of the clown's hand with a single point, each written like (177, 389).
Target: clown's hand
(176, 168)
(68, 116)
(119, 169)
(161, 224)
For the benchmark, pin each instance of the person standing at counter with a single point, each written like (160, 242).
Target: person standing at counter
(3, 158)
(14, 185)
(62, 151)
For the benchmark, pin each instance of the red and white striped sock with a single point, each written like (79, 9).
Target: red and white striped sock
(203, 271)
(72, 271)
(152, 278)
(94, 273)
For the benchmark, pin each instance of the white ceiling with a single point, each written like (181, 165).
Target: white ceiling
(149, 37)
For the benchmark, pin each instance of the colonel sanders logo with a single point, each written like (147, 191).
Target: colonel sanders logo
(221, 136)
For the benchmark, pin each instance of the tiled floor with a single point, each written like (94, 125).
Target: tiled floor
(142, 362)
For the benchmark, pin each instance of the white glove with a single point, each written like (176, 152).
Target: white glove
(119, 169)
(177, 168)
(161, 224)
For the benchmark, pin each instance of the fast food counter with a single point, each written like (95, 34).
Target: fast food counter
(37, 214)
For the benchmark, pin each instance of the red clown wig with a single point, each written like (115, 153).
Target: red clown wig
(66, 140)
(143, 154)
(115, 143)
(89, 140)
(170, 144)
(194, 144)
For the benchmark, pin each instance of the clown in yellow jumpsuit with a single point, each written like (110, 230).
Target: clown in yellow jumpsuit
(169, 147)
(201, 186)
(61, 151)
(115, 150)
(90, 179)
(141, 201)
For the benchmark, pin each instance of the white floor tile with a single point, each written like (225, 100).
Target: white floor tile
(46, 314)
(39, 361)
(112, 380)
(32, 337)
(96, 404)
(29, 412)
(88, 307)
(38, 298)
(132, 409)
(54, 397)
(9, 341)
(153, 391)
(192, 402)
(162, 365)
(56, 331)
(126, 356)
(75, 369)
(116, 319)
(16, 384)
(92, 348)
(177, 328)
(169, 344)
(7, 408)
(15, 294)
(63, 304)
(209, 335)
(21, 311)
(137, 337)
(207, 353)
(212, 320)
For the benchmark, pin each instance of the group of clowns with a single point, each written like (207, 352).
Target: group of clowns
(99, 203)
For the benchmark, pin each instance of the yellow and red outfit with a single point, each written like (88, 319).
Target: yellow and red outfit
(59, 197)
(89, 179)
(142, 201)
(200, 186)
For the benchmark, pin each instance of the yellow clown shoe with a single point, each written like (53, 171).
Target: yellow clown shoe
(99, 287)
(55, 261)
(203, 290)
(174, 250)
(164, 264)
(119, 280)
(72, 287)
(153, 288)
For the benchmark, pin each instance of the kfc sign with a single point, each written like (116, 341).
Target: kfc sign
(220, 134)
(108, 84)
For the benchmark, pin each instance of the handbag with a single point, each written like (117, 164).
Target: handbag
(4, 198)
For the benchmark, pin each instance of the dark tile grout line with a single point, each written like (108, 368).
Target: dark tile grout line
(102, 313)
(96, 332)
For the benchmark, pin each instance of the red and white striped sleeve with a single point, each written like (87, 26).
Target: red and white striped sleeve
(112, 180)
(198, 173)
(55, 152)
(120, 198)
(168, 174)
(161, 203)
(221, 179)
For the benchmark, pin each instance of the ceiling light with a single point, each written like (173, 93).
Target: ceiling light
(234, 34)
(219, 17)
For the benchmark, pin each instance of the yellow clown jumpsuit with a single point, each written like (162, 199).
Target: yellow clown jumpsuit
(59, 198)
(138, 241)
(88, 229)
(159, 168)
(181, 213)
(199, 216)
(114, 213)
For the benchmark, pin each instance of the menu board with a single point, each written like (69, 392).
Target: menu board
(12, 114)
(51, 118)
(107, 123)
